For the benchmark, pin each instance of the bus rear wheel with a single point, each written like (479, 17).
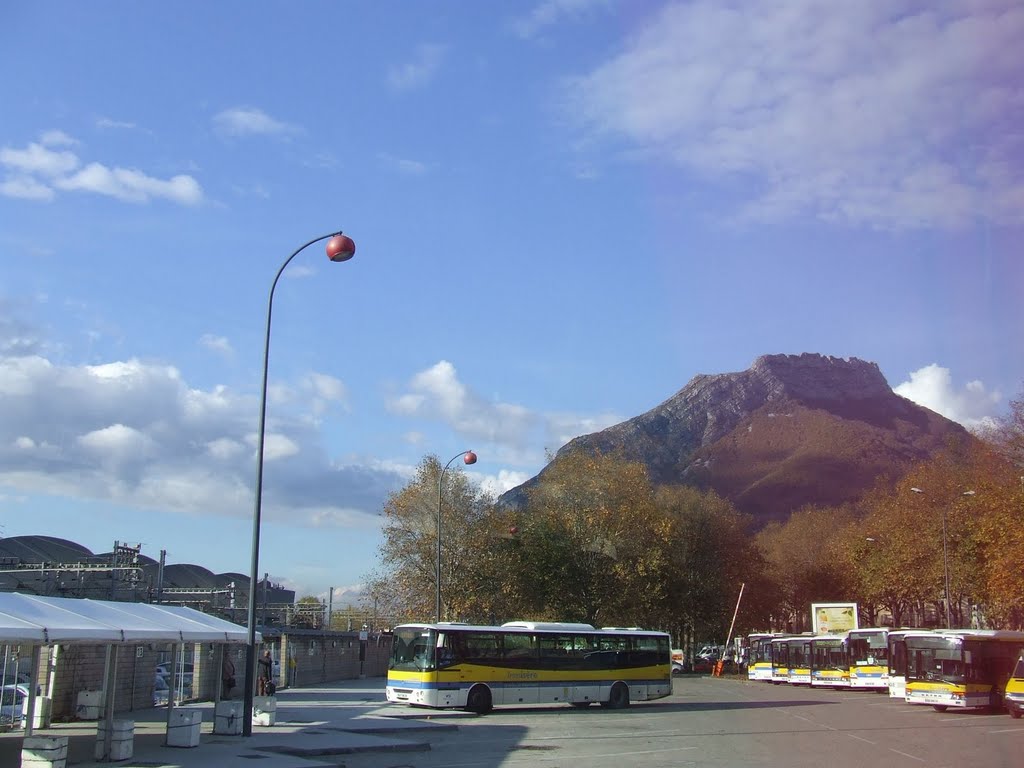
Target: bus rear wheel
(479, 700)
(618, 698)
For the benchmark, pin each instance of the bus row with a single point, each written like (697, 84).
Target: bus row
(943, 668)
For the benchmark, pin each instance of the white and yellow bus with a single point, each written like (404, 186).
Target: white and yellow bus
(477, 667)
(759, 656)
(868, 650)
(778, 650)
(799, 660)
(961, 667)
(829, 665)
(897, 679)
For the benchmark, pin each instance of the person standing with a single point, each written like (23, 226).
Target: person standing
(266, 673)
(227, 675)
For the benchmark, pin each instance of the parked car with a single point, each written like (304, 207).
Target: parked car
(161, 691)
(12, 703)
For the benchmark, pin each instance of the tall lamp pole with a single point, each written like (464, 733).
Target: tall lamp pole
(468, 457)
(339, 248)
(945, 554)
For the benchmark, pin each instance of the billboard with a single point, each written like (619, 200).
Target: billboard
(833, 618)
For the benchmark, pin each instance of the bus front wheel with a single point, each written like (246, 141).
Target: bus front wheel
(479, 700)
(618, 698)
(939, 707)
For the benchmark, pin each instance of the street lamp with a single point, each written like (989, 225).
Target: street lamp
(945, 554)
(468, 457)
(340, 248)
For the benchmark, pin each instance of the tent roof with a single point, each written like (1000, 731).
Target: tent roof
(45, 620)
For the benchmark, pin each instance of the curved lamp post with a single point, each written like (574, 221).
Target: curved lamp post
(468, 457)
(340, 247)
(945, 554)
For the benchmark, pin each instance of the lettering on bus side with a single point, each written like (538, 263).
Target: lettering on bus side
(523, 676)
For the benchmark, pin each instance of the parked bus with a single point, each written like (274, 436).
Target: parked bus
(1014, 696)
(829, 664)
(897, 643)
(779, 653)
(961, 667)
(799, 657)
(869, 658)
(476, 667)
(759, 657)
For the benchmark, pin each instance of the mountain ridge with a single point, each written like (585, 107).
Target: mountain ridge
(728, 432)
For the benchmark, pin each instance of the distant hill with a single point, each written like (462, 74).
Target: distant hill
(790, 430)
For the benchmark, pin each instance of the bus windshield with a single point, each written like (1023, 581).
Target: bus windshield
(868, 649)
(413, 649)
(938, 658)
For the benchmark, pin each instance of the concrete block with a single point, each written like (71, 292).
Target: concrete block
(42, 715)
(44, 752)
(183, 728)
(89, 705)
(264, 710)
(228, 718)
(122, 740)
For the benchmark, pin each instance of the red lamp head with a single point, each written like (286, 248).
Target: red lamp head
(469, 457)
(341, 248)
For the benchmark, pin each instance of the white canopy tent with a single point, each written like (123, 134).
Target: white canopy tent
(48, 620)
(38, 621)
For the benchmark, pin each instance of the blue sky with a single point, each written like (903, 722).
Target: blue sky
(563, 210)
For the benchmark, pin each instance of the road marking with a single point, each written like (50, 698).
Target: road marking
(912, 757)
(1009, 730)
(861, 738)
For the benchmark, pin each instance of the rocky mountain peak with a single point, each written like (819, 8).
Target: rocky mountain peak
(816, 378)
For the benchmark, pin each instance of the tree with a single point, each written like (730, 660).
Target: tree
(707, 554)
(804, 560)
(587, 543)
(406, 583)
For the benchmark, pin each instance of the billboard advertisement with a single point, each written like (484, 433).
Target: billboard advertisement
(833, 618)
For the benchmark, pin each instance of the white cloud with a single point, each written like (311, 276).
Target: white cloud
(26, 188)
(404, 165)
(250, 121)
(932, 387)
(134, 433)
(421, 70)
(437, 393)
(40, 160)
(841, 111)
(217, 344)
(36, 171)
(550, 12)
(505, 480)
(109, 124)
(132, 186)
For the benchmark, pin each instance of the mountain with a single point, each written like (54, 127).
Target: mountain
(791, 430)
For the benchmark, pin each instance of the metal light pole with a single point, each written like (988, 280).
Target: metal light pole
(945, 554)
(340, 248)
(468, 457)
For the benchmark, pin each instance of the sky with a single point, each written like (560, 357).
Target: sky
(563, 211)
